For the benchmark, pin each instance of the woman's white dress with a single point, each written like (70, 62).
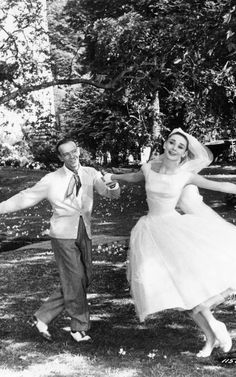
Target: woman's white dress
(178, 261)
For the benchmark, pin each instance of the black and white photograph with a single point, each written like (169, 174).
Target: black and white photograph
(117, 188)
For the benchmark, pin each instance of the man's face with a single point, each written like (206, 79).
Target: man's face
(69, 154)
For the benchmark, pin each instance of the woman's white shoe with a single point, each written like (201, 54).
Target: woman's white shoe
(224, 339)
(207, 349)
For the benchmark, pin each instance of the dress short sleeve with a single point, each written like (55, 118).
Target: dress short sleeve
(186, 176)
(145, 168)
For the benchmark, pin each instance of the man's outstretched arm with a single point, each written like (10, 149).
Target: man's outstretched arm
(25, 198)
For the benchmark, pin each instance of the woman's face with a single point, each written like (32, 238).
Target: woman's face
(175, 147)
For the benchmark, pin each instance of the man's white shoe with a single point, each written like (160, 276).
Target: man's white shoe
(80, 336)
(41, 328)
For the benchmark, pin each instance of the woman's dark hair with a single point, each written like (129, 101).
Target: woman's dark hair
(180, 134)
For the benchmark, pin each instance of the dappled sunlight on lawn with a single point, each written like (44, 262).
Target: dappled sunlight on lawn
(34, 259)
(92, 296)
(165, 345)
(100, 316)
(63, 365)
(121, 346)
(116, 217)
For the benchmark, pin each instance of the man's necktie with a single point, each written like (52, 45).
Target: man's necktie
(74, 183)
(77, 182)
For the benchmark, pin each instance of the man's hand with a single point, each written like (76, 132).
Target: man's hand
(112, 185)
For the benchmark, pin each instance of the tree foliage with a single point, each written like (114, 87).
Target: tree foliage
(127, 51)
(184, 50)
(102, 123)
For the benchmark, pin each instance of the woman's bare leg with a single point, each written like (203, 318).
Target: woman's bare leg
(211, 340)
(219, 329)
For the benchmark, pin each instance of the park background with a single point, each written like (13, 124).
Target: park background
(117, 77)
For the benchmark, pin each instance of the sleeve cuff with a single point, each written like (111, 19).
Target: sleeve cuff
(115, 187)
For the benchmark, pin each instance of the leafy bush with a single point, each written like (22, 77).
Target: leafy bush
(45, 157)
(16, 155)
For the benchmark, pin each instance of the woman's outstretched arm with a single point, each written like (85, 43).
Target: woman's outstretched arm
(126, 177)
(208, 184)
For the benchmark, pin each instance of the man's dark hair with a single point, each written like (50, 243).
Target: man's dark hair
(63, 141)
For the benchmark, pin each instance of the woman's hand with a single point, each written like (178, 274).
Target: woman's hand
(107, 178)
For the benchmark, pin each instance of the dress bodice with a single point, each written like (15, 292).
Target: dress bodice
(163, 190)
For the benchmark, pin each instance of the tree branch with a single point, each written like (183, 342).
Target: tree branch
(32, 88)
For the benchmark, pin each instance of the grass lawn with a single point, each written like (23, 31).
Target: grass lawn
(164, 346)
(115, 217)
(109, 217)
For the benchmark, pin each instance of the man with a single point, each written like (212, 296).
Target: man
(69, 190)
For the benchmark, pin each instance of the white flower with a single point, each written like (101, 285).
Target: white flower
(122, 352)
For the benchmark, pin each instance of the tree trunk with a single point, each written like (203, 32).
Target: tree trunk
(156, 129)
(114, 158)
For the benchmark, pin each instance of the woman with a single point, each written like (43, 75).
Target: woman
(198, 158)
(179, 261)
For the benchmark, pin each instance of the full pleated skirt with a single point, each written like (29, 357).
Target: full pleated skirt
(181, 262)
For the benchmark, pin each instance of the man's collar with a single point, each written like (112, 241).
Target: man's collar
(70, 172)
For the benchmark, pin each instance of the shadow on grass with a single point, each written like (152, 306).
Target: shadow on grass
(121, 346)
